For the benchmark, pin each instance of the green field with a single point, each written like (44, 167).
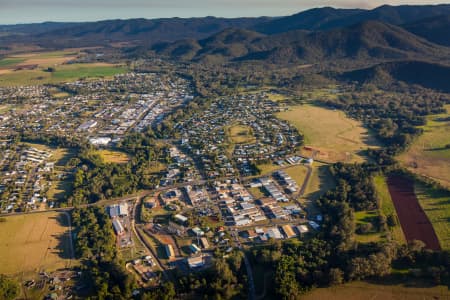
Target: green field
(63, 73)
(389, 290)
(240, 134)
(8, 62)
(337, 137)
(428, 155)
(436, 205)
(298, 173)
(368, 217)
(387, 206)
(110, 156)
(33, 243)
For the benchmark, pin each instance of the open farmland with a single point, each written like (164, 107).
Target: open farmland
(436, 205)
(62, 73)
(336, 137)
(387, 206)
(429, 155)
(391, 291)
(34, 242)
(31, 68)
(414, 221)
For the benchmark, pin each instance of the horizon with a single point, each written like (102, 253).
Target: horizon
(71, 11)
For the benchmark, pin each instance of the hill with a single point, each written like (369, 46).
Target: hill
(428, 75)
(328, 18)
(434, 29)
(139, 31)
(368, 40)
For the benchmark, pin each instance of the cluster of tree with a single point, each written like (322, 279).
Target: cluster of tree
(95, 245)
(224, 280)
(9, 289)
(95, 179)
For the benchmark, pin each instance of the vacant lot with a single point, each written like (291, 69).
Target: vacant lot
(240, 134)
(414, 221)
(337, 137)
(387, 206)
(428, 155)
(110, 156)
(35, 242)
(436, 205)
(389, 291)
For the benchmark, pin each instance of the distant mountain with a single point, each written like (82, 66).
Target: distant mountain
(22, 29)
(313, 19)
(368, 40)
(328, 18)
(434, 29)
(141, 31)
(429, 75)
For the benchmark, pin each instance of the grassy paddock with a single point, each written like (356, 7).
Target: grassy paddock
(35, 242)
(240, 134)
(111, 156)
(338, 137)
(62, 73)
(387, 206)
(365, 290)
(436, 205)
(428, 155)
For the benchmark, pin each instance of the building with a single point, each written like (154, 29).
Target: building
(302, 229)
(288, 232)
(194, 248)
(118, 210)
(274, 233)
(196, 261)
(118, 228)
(169, 251)
(180, 218)
(204, 243)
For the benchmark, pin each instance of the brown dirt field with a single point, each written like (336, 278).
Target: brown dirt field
(5, 71)
(415, 223)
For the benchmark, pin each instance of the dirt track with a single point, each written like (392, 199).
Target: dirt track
(414, 221)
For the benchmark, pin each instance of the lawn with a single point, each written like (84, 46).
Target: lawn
(337, 137)
(320, 182)
(436, 205)
(367, 217)
(387, 206)
(267, 168)
(240, 134)
(34, 242)
(111, 156)
(428, 155)
(364, 290)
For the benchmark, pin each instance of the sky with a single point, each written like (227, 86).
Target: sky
(31, 11)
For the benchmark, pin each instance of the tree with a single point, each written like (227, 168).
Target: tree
(9, 289)
(286, 283)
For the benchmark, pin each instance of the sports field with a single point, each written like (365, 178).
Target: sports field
(429, 155)
(34, 242)
(334, 136)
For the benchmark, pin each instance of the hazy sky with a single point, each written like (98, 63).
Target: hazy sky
(26, 11)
